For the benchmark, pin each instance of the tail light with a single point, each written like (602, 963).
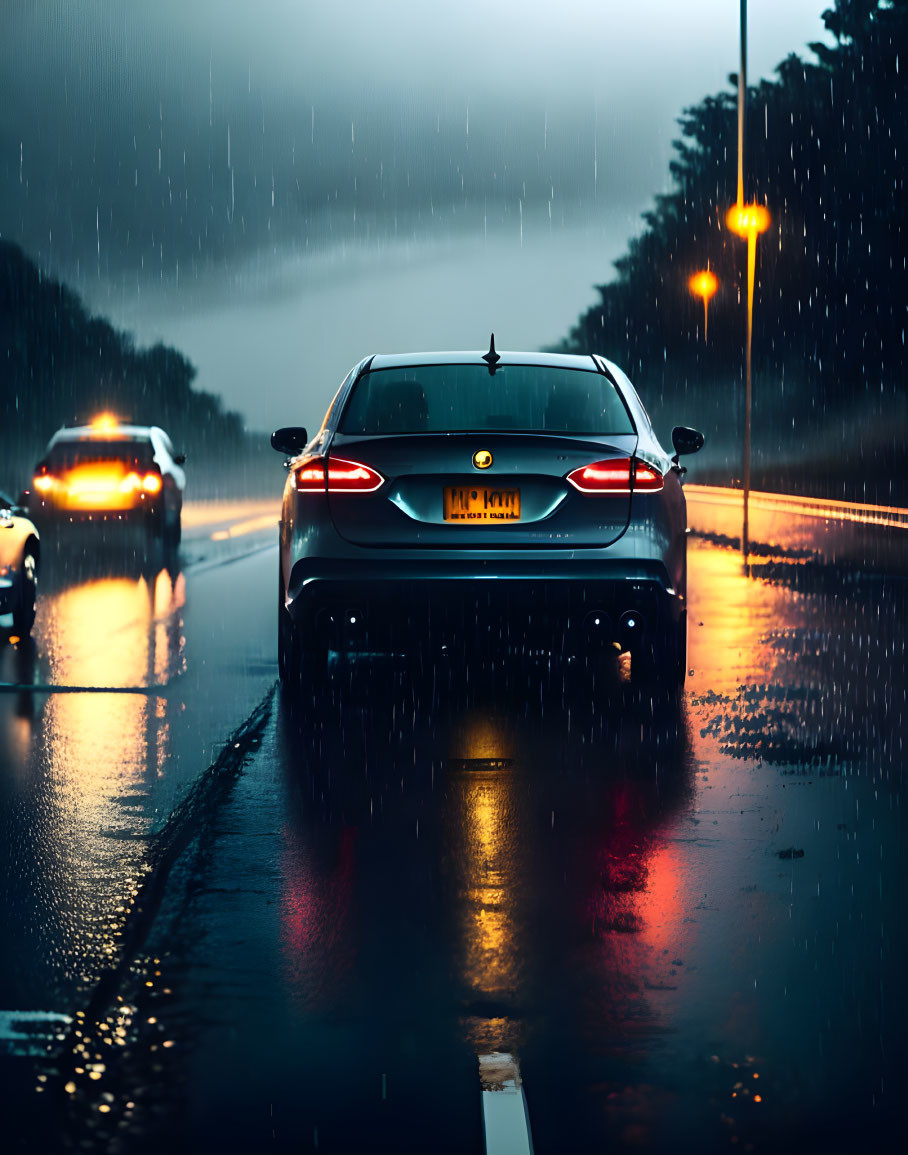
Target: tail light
(44, 482)
(342, 476)
(133, 482)
(614, 476)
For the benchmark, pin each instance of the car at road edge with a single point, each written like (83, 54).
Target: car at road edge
(20, 555)
(111, 473)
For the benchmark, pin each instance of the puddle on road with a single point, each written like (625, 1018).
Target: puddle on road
(92, 771)
(77, 822)
(812, 679)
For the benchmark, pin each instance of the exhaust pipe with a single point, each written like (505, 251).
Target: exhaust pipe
(597, 628)
(631, 627)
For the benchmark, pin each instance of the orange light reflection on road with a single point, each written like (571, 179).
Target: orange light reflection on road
(481, 736)
(491, 966)
(740, 613)
(99, 633)
(482, 792)
(104, 752)
(169, 599)
(169, 593)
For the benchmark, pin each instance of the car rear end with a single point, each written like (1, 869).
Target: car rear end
(104, 477)
(451, 502)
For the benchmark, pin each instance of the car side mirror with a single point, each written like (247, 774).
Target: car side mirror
(291, 440)
(180, 459)
(686, 440)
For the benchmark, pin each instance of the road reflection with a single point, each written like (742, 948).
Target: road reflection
(517, 834)
(685, 919)
(117, 631)
(483, 826)
(84, 751)
(618, 886)
(315, 907)
(18, 665)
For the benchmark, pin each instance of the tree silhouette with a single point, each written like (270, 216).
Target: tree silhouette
(827, 151)
(59, 365)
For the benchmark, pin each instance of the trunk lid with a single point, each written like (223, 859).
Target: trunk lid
(434, 496)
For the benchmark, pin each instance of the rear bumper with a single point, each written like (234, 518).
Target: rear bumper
(390, 604)
(50, 516)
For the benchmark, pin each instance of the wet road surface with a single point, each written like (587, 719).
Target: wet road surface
(230, 923)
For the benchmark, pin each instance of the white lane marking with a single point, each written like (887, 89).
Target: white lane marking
(505, 1119)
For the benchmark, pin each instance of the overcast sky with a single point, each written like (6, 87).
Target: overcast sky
(281, 187)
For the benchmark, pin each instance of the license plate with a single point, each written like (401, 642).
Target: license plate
(481, 504)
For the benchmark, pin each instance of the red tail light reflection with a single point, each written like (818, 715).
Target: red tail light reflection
(614, 476)
(343, 476)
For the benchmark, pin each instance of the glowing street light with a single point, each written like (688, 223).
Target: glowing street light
(749, 221)
(704, 284)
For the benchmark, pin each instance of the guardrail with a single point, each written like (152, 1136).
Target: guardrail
(868, 537)
(890, 516)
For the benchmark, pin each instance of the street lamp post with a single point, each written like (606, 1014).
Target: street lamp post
(742, 94)
(748, 221)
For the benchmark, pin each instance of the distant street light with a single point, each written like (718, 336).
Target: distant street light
(704, 284)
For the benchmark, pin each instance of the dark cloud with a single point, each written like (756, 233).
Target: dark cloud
(152, 141)
(282, 183)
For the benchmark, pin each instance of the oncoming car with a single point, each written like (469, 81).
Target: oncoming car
(20, 553)
(500, 495)
(110, 473)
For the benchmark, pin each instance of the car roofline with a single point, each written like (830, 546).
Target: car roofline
(89, 433)
(474, 356)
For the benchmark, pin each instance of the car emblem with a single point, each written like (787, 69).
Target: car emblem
(482, 459)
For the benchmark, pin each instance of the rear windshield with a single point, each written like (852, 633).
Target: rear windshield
(452, 398)
(67, 454)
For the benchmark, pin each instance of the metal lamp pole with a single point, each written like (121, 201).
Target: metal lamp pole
(751, 263)
(742, 92)
(747, 221)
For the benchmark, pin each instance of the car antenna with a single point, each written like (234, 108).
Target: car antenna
(491, 358)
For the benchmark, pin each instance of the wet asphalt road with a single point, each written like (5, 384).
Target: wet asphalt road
(234, 925)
